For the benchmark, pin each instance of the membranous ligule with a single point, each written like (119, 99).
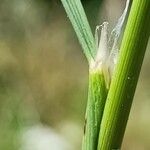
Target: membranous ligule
(108, 47)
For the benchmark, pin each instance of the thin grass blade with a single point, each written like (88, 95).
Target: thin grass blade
(77, 16)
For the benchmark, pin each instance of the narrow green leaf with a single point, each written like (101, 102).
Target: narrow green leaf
(125, 77)
(80, 23)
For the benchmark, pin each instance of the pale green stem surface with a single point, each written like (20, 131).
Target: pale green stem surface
(125, 77)
(96, 101)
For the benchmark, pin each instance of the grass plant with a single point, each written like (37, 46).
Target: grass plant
(109, 103)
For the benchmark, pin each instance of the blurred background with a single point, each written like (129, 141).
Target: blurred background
(44, 77)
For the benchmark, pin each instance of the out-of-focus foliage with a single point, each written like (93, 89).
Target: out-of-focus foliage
(43, 75)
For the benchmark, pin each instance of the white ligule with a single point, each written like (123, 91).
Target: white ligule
(108, 47)
(102, 46)
(103, 53)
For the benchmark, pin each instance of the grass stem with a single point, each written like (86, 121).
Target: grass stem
(125, 77)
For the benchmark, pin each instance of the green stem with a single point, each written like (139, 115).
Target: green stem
(96, 101)
(125, 77)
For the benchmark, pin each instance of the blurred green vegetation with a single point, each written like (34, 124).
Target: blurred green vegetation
(44, 75)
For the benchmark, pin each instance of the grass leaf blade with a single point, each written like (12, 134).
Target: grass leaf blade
(81, 26)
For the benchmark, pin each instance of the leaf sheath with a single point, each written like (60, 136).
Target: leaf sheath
(96, 101)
